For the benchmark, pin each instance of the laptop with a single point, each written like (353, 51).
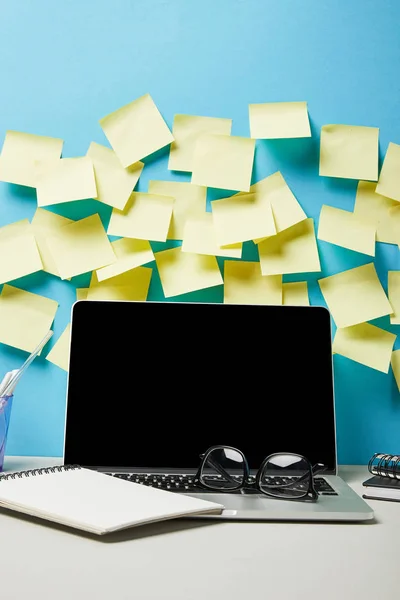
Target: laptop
(153, 385)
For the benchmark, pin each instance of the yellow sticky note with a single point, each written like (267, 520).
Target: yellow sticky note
(396, 366)
(274, 120)
(355, 296)
(383, 213)
(45, 224)
(190, 201)
(295, 293)
(285, 207)
(19, 255)
(389, 178)
(128, 279)
(16, 228)
(199, 237)
(65, 180)
(349, 151)
(223, 161)
(394, 296)
(132, 286)
(81, 293)
(145, 217)
(366, 344)
(294, 250)
(80, 247)
(130, 254)
(114, 183)
(244, 284)
(25, 318)
(346, 229)
(186, 130)
(136, 130)
(59, 354)
(20, 153)
(122, 293)
(241, 218)
(181, 272)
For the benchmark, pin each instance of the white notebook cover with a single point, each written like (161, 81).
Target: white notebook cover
(96, 502)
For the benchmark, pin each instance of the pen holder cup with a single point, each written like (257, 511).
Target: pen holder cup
(5, 412)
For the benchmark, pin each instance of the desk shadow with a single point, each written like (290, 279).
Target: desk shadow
(302, 522)
(124, 535)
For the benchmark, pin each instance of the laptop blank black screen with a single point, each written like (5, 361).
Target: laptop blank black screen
(154, 385)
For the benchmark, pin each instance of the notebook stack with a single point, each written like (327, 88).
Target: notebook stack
(385, 483)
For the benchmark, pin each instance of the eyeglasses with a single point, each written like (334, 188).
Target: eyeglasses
(284, 475)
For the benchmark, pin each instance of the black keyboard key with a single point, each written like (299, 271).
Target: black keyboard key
(185, 483)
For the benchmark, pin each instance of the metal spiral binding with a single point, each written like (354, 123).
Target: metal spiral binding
(40, 471)
(385, 465)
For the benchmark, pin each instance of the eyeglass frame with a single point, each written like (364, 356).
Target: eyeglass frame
(251, 482)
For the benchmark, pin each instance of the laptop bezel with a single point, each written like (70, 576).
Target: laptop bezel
(333, 471)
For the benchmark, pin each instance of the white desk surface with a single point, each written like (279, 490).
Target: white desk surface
(192, 560)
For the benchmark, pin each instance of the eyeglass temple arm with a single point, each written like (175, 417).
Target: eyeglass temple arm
(317, 468)
(221, 469)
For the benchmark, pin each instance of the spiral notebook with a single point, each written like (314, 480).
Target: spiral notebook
(92, 501)
(385, 483)
(385, 465)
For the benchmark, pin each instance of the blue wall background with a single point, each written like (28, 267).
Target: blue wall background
(64, 65)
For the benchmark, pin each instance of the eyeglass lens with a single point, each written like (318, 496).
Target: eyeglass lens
(223, 468)
(286, 476)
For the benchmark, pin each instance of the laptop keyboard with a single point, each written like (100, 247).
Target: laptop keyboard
(185, 483)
